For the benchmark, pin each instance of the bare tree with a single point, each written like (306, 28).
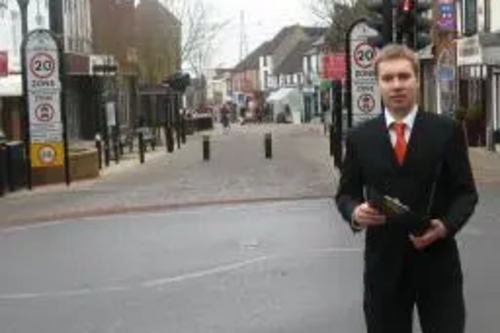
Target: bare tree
(199, 31)
(339, 15)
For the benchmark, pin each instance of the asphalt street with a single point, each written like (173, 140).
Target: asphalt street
(271, 267)
(235, 244)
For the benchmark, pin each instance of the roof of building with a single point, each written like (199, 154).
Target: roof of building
(311, 32)
(268, 47)
(252, 60)
(293, 62)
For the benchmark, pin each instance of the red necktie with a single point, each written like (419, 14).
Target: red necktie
(400, 146)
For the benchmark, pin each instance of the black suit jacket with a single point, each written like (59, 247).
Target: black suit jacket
(370, 162)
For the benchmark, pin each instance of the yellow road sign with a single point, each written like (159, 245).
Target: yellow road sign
(47, 155)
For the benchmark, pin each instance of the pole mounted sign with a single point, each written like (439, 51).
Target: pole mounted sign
(43, 84)
(365, 98)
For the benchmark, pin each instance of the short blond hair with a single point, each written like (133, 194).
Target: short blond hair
(397, 51)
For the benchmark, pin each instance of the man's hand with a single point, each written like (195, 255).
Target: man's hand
(436, 231)
(366, 216)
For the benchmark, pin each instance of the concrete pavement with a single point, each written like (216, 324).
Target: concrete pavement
(237, 171)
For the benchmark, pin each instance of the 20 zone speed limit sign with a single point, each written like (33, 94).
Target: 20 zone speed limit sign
(364, 54)
(42, 65)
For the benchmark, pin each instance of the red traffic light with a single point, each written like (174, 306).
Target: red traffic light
(406, 5)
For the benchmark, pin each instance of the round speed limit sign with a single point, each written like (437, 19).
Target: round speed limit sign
(364, 55)
(47, 155)
(42, 65)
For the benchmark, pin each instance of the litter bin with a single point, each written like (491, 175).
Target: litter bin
(16, 165)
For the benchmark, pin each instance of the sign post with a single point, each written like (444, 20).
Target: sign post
(4, 63)
(363, 97)
(43, 85)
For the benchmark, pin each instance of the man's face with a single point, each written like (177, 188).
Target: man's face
(398, 85)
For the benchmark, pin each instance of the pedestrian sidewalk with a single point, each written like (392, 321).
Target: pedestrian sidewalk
(486, 166)
(127, 162)
(237, 171)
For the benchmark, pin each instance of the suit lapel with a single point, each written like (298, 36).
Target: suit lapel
(416, 138)
(385, 144)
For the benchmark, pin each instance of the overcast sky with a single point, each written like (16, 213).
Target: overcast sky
(263, 19)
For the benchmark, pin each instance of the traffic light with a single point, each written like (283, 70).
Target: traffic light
(412, 24)
(404, 22)
(381, 20)
(423, 24)
(178, 82)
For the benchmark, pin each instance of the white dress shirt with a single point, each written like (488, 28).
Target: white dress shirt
(409, 121)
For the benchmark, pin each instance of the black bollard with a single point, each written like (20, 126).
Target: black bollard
(206, 148)
(178, 135)
(332, 140)
(169, 138)
(116, 148)
(183, 129)
(3, 169)
(268, 145)
(141, 147)
(98, 146)
(337, 119)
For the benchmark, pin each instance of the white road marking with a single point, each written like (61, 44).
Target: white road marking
(203, 273)
(159, 283)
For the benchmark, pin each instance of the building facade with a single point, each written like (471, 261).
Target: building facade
(10, 47)
(158, 36)
(72, 19)
(478, 61)
(113, 64)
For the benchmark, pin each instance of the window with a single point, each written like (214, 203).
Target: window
(3, 8)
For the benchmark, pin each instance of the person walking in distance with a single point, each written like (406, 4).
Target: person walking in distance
(406, 180)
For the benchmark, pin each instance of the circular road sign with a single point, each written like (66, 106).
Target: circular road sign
(47, 155)
(366, 103)
(44, 112)
(42, 65)
(364, 54)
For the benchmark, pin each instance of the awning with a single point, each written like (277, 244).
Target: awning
(11, 86)
(279, 95)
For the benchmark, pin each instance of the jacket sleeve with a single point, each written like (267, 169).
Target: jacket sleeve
(461, 185)
(350, 187)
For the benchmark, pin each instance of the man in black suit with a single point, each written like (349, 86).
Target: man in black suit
(420, 160)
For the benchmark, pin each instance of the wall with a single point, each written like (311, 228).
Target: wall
(77, 26)
(113, 32)
(10, 27)
(246, 81)
(158, 37)
(495, 19)
(265, 66)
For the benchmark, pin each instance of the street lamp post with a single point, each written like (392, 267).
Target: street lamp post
(23, 7)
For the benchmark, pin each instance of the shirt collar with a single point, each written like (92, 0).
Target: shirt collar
(409, 120)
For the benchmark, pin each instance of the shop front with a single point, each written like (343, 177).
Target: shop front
(478, 61)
